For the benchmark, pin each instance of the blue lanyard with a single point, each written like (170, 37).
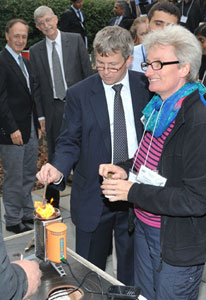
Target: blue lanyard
(188, 9)
(143, 54)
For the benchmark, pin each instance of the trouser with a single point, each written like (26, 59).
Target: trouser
(52, 136)
(20, 166)
(171, 283)
(95, 246)
(54, 130)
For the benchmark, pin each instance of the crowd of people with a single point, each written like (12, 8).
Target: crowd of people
(131, 131)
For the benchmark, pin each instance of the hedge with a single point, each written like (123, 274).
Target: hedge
(98, 13)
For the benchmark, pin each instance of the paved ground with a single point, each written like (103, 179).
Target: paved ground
(65, 212)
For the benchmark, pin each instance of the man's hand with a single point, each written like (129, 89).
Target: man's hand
(117, 172)
(33, 274)
(118, 188)
(16, 137)
(39, 134)
(49, 174)
(43, 128)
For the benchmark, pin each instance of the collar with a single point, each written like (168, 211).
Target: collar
(57, 40)
(124, 82)
(76, 10)
(12, 52)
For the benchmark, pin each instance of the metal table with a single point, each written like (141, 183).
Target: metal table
(96, 281)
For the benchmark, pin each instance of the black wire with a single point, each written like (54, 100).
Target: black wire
(102, 293)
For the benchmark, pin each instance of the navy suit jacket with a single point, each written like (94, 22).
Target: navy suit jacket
(69, 22)
(85, 143)
(121, 24)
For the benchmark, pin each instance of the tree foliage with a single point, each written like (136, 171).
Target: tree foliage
(98, 13)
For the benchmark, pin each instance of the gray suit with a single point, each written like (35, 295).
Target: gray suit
(76, 67)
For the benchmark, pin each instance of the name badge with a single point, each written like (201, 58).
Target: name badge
(148, 176)
(133, 176)
(183, 19)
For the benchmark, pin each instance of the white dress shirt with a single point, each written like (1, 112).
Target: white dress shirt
(128, 111)
(59, 51)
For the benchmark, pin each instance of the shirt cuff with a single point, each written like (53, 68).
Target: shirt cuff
(59, 181)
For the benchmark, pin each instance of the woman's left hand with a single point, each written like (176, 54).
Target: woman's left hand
(118, 188)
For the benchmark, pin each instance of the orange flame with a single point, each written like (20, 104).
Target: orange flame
(44, 211)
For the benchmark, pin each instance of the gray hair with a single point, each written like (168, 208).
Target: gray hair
(113, 39)
(41, 11)
(186, 46)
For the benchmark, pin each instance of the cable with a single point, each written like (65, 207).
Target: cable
(102, 293)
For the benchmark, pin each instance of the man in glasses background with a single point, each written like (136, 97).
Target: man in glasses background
(58, 61)
(160, 15)
(89, 137)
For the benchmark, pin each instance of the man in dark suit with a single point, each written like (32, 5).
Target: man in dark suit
(18, 129)
(86, 140)
(74, 66)
(122, 15)
(73, 20)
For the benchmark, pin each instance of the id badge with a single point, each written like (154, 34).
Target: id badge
(133, 176)
(148, 176)
(183, 19)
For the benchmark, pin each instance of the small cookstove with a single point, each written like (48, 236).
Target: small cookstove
(40, 232)
(40, 224)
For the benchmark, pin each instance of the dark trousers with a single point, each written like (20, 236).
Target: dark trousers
(95, 246)
(52, 136)
(171, 283)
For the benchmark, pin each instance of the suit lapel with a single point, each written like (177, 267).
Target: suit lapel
(45, 62)
(75, 15)
(66, 46)
(99, 105)
(16, 69)
(136, 106)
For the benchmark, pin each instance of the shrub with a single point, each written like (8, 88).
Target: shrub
(98, 13)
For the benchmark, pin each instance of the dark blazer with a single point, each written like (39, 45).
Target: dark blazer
(182, 202)
(77, 66)
(194, 16)
(85, 142)
(123, 22)
(16, 102)
(69, 22)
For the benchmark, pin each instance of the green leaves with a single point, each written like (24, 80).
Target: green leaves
(97, 12)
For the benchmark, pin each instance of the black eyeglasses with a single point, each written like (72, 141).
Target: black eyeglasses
(113, 70)
(157, 65)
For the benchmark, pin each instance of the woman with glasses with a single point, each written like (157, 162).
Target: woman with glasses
(167, 176)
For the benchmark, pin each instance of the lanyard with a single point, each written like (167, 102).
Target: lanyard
(143, 55)
(136, 155)
(204, 79)
(188, 8)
